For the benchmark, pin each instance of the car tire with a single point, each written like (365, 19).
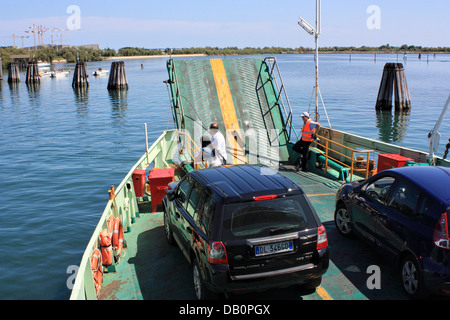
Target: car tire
(411, 278)
(311, 286)
(167, 228)
(201, 292)
(342, 220)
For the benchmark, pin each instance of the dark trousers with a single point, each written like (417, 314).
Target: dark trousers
(302, 147)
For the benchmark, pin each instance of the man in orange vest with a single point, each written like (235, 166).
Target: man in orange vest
(309, 134)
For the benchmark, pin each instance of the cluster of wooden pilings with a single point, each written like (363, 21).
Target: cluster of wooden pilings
(393, 83)
(33, 73)
(80, 76)
(117, 76)
(13, 74)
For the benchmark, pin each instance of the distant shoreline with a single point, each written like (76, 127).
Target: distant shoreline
(142, 57)
(238, 54)
(70, 54)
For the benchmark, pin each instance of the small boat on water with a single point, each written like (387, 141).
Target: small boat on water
(45, 74)
(59, 74)
(100, 72)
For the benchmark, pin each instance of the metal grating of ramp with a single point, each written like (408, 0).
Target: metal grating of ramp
(238, 94)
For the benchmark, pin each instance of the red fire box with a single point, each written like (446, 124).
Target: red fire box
(139, 182)
(387, 161)
(158, 180)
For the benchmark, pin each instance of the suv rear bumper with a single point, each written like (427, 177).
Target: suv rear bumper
(221, 281)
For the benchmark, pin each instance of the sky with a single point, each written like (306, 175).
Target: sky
(231, 23)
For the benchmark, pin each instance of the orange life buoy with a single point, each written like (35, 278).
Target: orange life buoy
(117, 238)
(115, 228)
(106, 247)
(97, 271)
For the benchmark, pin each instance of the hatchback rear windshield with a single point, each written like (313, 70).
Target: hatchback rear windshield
(267, 218)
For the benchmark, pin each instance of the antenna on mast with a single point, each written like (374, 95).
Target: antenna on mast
(315, 32)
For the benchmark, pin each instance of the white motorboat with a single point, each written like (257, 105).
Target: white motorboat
(100, 72)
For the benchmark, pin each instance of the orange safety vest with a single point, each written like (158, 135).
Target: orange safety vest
(307, 132)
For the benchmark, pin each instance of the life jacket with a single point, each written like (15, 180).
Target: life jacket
(97, 270)
(307, 131)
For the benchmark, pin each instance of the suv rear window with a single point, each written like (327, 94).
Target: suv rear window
(266, 218)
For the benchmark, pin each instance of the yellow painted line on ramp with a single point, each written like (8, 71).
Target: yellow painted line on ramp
(228, 111)
(323, 293)
(321, 194)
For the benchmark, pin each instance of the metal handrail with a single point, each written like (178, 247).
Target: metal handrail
(272, 64)
(177, 94)
(352, 159)
(192, 147)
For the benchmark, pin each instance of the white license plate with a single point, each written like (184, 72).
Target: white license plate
(273, 248)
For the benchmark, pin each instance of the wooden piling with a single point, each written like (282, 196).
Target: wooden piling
(393, 82)
(32, 73)
(80, 76)
(117, 76)
(13, 75)
(401, 92)
(33, 87)
(1, 69)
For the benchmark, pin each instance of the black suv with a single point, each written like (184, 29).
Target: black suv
(245, 228)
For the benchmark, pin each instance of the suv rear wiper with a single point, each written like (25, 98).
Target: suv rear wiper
(277, 230)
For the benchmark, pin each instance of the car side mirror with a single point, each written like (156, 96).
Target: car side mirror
(171, 195)
(357, 190)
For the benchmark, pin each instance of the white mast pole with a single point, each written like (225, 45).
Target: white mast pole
(316, 58)
(316, 32)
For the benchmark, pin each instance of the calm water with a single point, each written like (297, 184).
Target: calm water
(61, 151)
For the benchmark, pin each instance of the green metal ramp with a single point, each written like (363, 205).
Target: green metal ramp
(243, 96)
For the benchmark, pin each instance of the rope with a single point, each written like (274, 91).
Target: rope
(447, 146)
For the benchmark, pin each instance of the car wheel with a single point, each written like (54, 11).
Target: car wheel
(167, 228)
(342, 220)
(198, 284)
(411, 277)
(200, 290)
(310, 287)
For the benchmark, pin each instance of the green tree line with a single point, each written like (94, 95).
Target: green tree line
(51, 53)
(73, 54)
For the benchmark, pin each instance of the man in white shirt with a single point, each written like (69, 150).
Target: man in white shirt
(218, 142)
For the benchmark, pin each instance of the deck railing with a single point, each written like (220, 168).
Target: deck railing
(352, 161)
(190, 146)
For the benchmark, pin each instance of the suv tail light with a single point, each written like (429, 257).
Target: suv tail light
(322, 240)
(217, 253)
(440, 234)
